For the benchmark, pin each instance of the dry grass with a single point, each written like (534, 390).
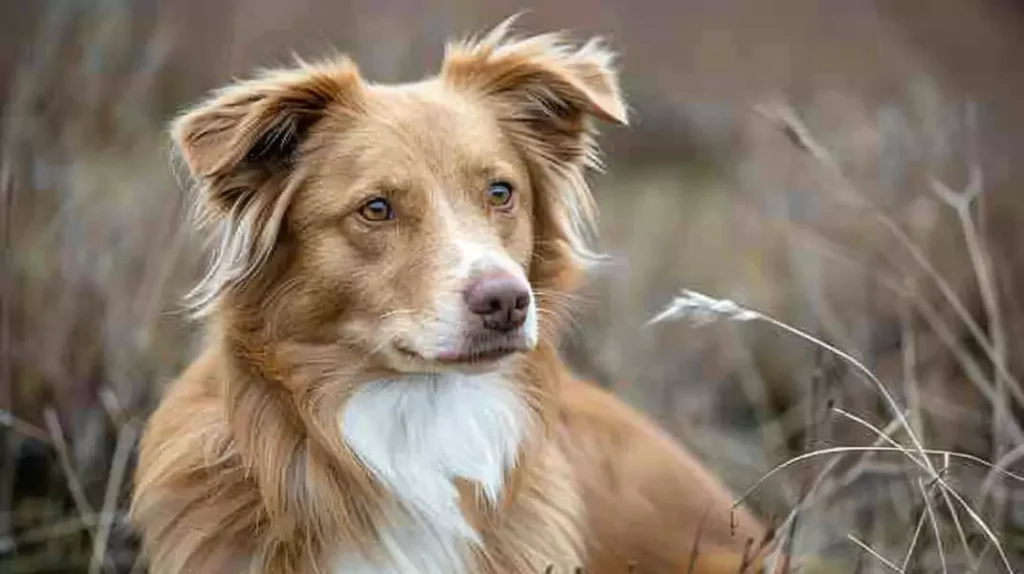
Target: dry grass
(840, 219)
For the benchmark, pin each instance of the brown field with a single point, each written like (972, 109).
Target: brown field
(849, 169)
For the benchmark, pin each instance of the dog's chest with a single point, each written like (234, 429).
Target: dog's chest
(417, 435)
(408, 549)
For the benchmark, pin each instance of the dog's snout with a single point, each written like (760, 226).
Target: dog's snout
(502, 301)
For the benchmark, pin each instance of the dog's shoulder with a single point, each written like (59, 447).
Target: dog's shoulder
(191, 491)
(647, 498)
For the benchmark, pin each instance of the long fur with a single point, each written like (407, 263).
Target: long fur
(319, 430)
(417, 435)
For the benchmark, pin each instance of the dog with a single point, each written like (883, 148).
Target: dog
(379, 389)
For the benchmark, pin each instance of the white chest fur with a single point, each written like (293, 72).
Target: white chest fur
(416, 435)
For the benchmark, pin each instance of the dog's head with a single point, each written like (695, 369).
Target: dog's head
(428, 225)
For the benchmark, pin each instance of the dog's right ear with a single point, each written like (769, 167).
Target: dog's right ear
(241, 148)
(258, 124)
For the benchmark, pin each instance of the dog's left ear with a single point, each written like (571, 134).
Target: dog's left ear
(241, 147)
(542, 88)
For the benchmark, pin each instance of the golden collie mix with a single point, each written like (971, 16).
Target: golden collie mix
(379, 389)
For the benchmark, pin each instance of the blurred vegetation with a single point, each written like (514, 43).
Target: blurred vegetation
(796, 157)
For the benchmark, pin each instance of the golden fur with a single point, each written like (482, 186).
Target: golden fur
(243, 467)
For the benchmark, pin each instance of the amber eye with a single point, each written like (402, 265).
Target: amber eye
(499, 194)
(377, 209)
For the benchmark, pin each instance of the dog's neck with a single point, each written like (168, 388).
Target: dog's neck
(416, 435)
(422, 439)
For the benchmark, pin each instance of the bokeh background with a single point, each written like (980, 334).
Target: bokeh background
(851, 168)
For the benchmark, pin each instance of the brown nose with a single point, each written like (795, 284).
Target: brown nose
(500, 300)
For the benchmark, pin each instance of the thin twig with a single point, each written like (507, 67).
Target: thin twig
(112, 406)
(917, 535)
(703, 309)
(800, 135)
(981, 262)
(956, 518)
(885, 561)
(935, 525)
(860, 367)
(972, 369)
(908, 354)
(949, 504)
(877, 449)
(70, 476)
(984, 273)
(1004, 462)
(7, 419)
(60, 529)
(7, 197)
(820, 479)
(118, 468)
(946, 456)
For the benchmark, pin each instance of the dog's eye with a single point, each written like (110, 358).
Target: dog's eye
(377, 209)
(499, 194)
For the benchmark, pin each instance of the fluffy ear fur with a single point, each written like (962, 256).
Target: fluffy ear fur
(240, 147)
(547, 95)
(545, 89)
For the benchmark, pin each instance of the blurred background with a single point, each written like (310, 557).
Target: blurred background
(849, 168)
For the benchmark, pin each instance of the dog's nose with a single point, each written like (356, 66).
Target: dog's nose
(502, 301)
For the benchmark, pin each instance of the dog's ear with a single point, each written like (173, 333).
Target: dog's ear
(544, 89)
(547, 94)
(259, 123)
(241, 148)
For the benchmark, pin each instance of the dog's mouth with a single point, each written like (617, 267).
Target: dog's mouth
(476, 356)
(474, 352)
